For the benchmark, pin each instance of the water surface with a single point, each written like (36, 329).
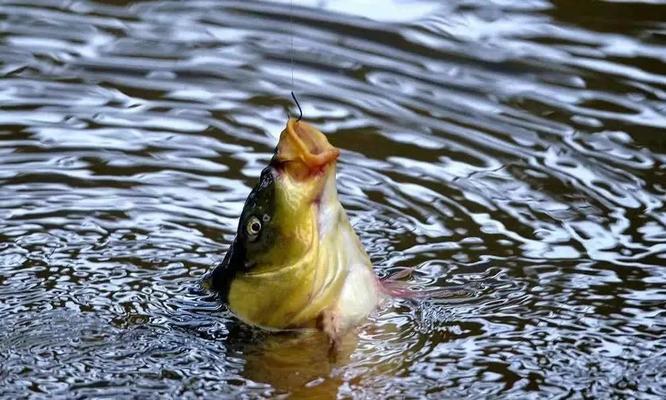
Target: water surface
(516, 149)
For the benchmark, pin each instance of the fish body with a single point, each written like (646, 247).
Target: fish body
(296, 261)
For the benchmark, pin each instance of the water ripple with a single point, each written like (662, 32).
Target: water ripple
(513, 149)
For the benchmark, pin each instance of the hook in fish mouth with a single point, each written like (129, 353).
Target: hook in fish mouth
(303, 150)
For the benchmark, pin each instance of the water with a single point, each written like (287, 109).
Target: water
(514, 148)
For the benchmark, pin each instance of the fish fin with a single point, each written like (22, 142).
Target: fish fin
(395, 287)
(329, 323)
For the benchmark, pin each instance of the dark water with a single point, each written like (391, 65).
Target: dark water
(516, 148)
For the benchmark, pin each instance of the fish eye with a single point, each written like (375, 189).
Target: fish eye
(253, 227)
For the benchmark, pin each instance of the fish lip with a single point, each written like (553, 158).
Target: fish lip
(306, 149)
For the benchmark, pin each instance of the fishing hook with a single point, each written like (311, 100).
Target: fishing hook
(299, 106)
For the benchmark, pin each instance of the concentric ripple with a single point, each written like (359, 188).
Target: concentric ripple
(512, 149)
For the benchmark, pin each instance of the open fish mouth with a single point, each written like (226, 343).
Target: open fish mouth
(303, 151)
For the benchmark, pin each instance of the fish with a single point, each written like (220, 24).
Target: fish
(296, 262)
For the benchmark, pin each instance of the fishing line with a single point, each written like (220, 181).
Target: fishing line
(291, 24)
(291, 53)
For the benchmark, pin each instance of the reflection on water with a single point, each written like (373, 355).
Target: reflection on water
(513, 148)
